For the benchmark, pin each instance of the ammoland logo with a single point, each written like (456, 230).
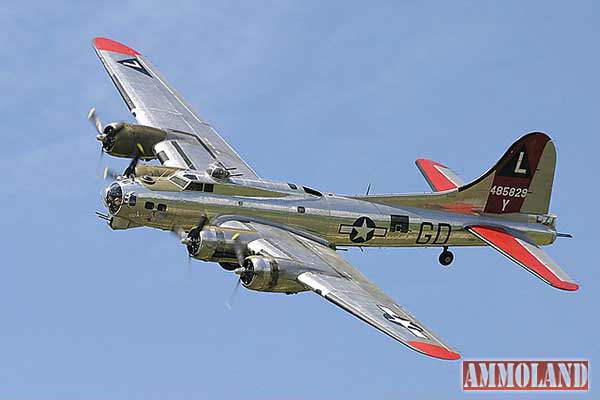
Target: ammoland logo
(564, 375)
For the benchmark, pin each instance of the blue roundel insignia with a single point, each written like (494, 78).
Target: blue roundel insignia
(362, 230)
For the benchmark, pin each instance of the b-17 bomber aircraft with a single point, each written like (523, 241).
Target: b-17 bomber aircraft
(282, 237)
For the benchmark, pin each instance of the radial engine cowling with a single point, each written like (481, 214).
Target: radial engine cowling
(128, 140)
(267, 274)
(213, 243)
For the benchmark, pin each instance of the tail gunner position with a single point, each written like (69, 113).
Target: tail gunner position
(282, 237)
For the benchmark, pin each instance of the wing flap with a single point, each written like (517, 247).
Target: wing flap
(438, 176)
(527, 255)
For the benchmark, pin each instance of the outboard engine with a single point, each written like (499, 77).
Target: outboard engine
(128, 141)
(121, 139)
(266, 274)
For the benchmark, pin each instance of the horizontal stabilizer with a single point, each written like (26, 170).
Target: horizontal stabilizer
(526, 254)
(439, 177)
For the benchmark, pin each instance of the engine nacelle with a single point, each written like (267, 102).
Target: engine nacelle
(213, 244)
(127, 140)
(266, 274)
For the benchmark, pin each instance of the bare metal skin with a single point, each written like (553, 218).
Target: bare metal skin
(282, 237)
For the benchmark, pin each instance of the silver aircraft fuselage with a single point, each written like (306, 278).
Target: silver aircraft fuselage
(179, 201)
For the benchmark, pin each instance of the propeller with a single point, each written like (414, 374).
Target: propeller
(110, 173)
(239, 249)
(129, 171)
(106, 134)
(95, 120)
(240, 255)
(100, 158)
(190, 239)
(233, 295)
(182, 236)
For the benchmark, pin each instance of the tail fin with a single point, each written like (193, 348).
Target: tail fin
(521, 181)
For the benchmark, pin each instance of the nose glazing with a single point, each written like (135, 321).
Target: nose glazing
(113, 198)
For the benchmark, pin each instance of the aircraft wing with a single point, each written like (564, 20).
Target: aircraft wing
(526, 254)
(192, 143)
(438, 176)
(324, 272)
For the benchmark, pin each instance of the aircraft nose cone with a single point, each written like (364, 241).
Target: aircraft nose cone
(113, 197)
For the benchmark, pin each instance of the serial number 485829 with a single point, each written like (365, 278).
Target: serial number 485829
(508, 191)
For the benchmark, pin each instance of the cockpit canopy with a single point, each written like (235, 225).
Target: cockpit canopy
(193, 182)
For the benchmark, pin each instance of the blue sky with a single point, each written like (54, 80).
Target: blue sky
(331, 95)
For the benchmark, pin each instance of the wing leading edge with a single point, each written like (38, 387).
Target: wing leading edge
(526, 254)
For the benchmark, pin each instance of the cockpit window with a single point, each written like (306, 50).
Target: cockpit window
(179, 181)
(312, 191)
(132, 200)
(195, 186)
(191, 177)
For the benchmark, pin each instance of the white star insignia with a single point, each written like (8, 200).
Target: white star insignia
(363, 231)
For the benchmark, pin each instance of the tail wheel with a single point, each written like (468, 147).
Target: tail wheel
(446, 258)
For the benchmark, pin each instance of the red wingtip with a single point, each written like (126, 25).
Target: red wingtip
(570, 286)
(434, 350)
(111, 45)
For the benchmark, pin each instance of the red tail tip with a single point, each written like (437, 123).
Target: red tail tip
(570, 286)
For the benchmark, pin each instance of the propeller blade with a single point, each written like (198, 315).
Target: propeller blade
(240, 254)
(100, 159)
(202, 221)
(239, 248)
(109, 173)
(189, 268)
(229, 302)
(179, 232)
(130, 170)
(95, 120)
